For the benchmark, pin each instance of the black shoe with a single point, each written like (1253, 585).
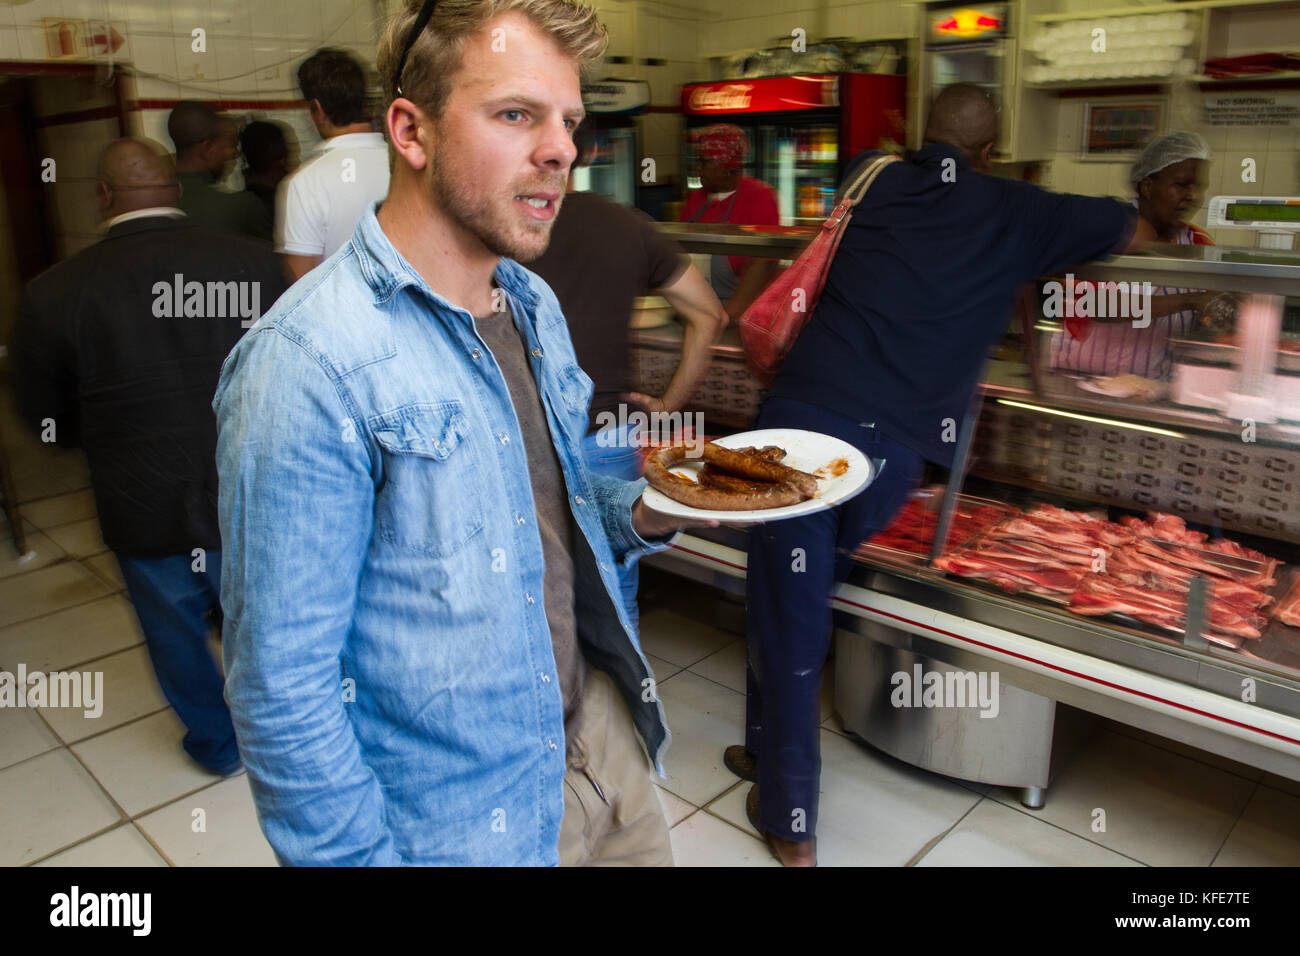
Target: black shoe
(741, 762)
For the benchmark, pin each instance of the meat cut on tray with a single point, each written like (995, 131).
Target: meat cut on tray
(1134, 568)
(913, 528)
(1288, 609)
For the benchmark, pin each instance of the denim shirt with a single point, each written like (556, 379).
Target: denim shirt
(389, 665)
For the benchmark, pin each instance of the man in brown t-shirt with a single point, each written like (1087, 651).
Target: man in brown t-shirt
(601, 257)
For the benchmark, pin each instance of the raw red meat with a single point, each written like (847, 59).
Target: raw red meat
(1172, 531)
(1288, 609)
(1167, 609)
(1145, 570)
(1242, 595)
(1096, 597)
(914, 526)
(1055, 535)
(1029, 573)
(1015, 547)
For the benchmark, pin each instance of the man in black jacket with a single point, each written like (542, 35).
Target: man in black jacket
(118, 350)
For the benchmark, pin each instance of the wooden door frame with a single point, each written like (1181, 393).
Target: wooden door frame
(121, 100)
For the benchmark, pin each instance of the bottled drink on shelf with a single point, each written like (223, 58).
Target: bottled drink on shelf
(807, 201)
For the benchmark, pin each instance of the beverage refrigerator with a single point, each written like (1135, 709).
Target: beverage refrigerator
(981, 44)
(611, 106)
(966, 44)
(803, 130)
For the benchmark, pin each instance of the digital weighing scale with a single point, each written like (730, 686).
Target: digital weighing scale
(1276, 219)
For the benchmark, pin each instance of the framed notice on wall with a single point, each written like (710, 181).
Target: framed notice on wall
(1115, 130)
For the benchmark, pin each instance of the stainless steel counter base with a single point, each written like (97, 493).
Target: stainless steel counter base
(878, 697)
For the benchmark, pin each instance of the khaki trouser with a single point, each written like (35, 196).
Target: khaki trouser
(612, 815)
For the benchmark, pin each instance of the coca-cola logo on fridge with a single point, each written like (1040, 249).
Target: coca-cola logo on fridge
(726, 98)
(772, 94)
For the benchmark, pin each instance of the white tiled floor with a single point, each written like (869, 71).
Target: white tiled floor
(1154, 805)
(118, 790)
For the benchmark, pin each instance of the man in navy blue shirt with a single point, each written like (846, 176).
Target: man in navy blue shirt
(920, 288)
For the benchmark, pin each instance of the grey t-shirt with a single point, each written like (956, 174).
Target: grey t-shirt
(551, 499)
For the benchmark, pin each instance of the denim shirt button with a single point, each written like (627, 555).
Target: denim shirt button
(505, 439)
(546, 678)
(476, 354)
(537, 353)
(578, 499)
(519, 519)
(529, 598)
(551, 744)
(604, 566)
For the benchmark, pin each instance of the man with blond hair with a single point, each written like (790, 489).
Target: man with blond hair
(428, 662)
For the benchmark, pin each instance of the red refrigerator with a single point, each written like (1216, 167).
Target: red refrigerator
(803, 130)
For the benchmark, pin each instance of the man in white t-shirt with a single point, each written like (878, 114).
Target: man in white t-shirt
(319, 205)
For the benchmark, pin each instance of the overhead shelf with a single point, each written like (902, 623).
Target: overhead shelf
(1100, 84)
(1254, 79)
(1146, 9)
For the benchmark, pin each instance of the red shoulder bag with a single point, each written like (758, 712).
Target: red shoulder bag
(772, 323)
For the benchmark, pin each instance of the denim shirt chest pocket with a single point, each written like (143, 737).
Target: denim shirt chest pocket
(576, 389)
(426, 502)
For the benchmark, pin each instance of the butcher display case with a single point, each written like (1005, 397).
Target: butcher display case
(1129, 548)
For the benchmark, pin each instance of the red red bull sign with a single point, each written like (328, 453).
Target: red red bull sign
(956, 24)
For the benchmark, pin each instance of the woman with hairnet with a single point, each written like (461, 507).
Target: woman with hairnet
(1168, 178)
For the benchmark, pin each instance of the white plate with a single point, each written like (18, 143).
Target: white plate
(1112, 392)
(806, 451)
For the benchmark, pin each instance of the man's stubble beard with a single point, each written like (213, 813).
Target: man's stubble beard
(481, 219)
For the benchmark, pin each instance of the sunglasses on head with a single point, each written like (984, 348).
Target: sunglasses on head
(421, 22)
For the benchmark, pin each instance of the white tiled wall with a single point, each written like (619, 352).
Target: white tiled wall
(1276, 153)
(251, 52)
(658, 31)
(741, 25)
(251, 45)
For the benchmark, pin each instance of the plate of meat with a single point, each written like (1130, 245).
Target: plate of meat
(757, 476)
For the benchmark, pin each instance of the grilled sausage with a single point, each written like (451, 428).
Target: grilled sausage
(772, 485)
(711, 477)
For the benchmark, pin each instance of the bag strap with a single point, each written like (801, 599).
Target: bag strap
(853, 195)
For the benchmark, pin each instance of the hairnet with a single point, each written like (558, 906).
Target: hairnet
(1165, 151)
